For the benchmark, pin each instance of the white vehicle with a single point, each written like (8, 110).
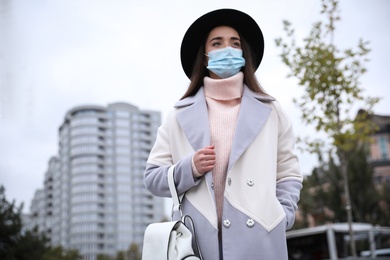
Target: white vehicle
(379, 253)
(332, 242)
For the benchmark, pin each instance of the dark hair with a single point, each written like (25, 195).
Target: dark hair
(199, 70)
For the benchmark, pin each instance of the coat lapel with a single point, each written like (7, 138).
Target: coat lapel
(193, 119)
(251, 118)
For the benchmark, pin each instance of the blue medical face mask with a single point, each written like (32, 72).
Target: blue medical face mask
(225, 62)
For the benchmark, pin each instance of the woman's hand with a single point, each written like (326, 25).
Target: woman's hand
(204, 159)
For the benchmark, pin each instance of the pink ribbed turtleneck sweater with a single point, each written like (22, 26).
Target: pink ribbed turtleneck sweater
(223, 97)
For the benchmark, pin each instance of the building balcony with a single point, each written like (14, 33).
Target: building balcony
(380, 162)
(78, 152)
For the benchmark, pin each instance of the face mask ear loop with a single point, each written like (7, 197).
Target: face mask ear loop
(206, 61)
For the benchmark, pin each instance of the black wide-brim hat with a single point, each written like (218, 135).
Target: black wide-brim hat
(245, 25)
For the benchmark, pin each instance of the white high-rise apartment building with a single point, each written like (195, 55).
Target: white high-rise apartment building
(94, 198)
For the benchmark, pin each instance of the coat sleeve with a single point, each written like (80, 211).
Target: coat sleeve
(159, 161)
(289, 178)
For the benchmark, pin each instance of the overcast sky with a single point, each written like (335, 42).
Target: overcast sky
(57, 54)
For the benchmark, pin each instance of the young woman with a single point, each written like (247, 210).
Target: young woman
(230, 143)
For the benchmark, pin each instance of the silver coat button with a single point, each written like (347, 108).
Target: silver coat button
(212, 185)
(229, 181)
(250, 182)
(250, 222)
(226, 223)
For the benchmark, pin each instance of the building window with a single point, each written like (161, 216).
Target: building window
(383, 147)
(84, 130)
(122, 150)
(122, 132)
(84, 139)
(122, 113)
(83, 121)
(122, 123)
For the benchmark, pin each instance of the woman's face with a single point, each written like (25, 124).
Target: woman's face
(221, 37)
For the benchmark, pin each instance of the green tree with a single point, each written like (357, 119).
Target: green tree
(56, 253)
(332, 91)
(322, 194)
(385, 204)
(31, 245)
(15, 245)
(10, 225)
(104, 257)
(132, 253)
(365, 197)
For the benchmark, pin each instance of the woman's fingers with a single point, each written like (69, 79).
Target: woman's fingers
(204, 159)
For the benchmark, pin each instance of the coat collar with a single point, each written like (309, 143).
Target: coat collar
(192, 117)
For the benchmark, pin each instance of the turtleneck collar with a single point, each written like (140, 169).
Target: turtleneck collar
(224, 89)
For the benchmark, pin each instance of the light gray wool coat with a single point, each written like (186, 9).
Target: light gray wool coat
(263, 179)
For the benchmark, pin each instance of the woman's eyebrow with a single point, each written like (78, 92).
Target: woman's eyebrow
(220, 38)
(216, 38)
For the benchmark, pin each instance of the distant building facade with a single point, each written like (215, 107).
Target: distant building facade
(94, 199)
(380, 150)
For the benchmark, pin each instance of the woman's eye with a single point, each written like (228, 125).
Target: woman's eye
(236, 44)
(216, 44)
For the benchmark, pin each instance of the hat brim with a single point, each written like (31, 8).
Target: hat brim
(245, 25)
